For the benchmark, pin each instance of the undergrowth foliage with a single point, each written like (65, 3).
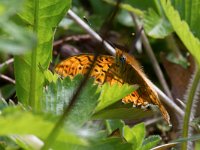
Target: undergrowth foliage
(96, 120)
(77, 130)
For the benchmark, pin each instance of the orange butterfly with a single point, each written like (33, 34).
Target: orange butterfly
(122, 68)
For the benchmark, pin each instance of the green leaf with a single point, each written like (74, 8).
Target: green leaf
(189, 11)
(182, 29)
(7, 143)
(110, 143)
(125, 18)
(129, 136)
(3, 103)
(182, 61)
(139, 132)
(127, 7)
(7, 90)
(9, 8)
(197, 145)
(26, 123)
(155, 25)
(42, 17)
(150, 142)
(111, 94)
(114, 124)
(135, 135)
(57, 97)
(50, 77)
(122, 112)
(100, 8)
(13, 38)
(141, 6)
(192, 138)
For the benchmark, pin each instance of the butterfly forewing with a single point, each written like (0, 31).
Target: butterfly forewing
(81, 64)
(122, 69)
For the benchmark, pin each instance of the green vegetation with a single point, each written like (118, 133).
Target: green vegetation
(41, 110)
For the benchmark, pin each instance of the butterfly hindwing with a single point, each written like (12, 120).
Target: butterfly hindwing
(135, 75)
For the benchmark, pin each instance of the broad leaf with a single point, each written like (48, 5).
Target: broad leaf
(189, 11)
(139, 132)
(57, 97)
(114, 124)
(141, 6)
(110, 143)
(155, 25)
(182, 29)
(122, 113)
(26, 123)
(129, 136)
(50, 77)
(150, 142)
(127, 6)
(7, 91)
(13, 38)
(135, 135)
(111, 94)
(41, 17)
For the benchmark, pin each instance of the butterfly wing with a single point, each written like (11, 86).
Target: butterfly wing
(104, 71)
(80, 64)
(133, 74)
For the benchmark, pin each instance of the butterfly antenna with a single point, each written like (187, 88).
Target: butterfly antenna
(87, 21)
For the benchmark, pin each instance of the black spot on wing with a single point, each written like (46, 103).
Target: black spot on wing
(99, 80)
(96, 70)
(133, 94)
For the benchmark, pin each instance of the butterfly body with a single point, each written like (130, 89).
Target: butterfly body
(120, 69)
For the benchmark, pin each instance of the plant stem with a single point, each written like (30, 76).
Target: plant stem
(33, 76)
(188, 108)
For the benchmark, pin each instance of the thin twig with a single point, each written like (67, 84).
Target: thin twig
(71, 38)
(7, 78)
(169, 102)
(91, 32)
(152, 121)
(165, 146)
(181, 103)
(7, 62)
(152, 57)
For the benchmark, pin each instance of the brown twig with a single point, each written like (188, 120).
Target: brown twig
(152, 57)
(86, 27)
(71, 38)
(7, 78)
(7, 62)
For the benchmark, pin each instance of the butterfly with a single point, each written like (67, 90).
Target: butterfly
(123, 68)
